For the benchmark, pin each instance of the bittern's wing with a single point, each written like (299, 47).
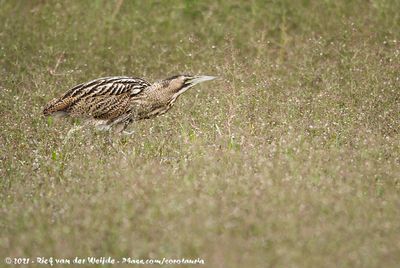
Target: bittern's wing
(103, 98)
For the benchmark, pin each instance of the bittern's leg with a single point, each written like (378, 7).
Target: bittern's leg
(118, 128)
(125, 132)
(110, 141)
(104, 127)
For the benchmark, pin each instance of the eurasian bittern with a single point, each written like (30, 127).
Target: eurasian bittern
(115, 102)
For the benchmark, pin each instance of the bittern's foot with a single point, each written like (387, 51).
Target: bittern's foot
(71, 131)
(128, 133)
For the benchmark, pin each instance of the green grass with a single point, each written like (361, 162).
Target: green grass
(290, 159)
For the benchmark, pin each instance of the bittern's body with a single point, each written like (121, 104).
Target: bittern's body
(115, 102)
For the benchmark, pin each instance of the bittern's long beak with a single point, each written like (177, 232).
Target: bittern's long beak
(200, 78)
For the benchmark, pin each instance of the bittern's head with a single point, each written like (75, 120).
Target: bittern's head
(181, 83)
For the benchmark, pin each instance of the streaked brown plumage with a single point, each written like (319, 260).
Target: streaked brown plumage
(115, 102)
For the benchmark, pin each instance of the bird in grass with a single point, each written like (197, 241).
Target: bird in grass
(112, 103)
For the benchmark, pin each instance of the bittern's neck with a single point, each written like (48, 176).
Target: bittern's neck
(166, 91)
(180, 91)
(173, 87)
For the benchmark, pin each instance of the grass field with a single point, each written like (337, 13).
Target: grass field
(290, 159)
